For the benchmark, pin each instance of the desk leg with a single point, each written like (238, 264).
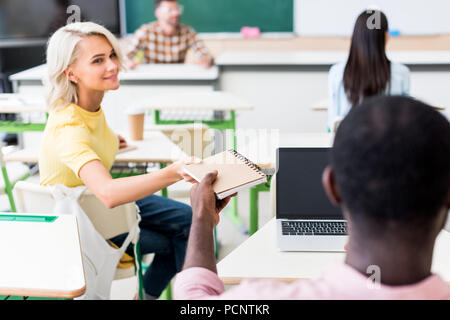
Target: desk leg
(253, 224)
(8, 189)
(233, 123)
(156, 119)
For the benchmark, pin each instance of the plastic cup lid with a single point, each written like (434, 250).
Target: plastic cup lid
(134, 111)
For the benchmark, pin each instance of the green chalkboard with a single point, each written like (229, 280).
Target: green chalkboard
(220, 15)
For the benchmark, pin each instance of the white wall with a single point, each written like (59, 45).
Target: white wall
(337, 17)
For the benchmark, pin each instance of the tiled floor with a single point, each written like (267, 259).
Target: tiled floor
(229, 236)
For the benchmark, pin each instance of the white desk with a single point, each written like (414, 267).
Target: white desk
(145, 72)
(41, 259)
(325, 58)
(258, 257)
(212, 101)
(137, 86)
(285, 86)
(216, 100)
(155, 147)
(283, 58)
(171, 72)
(16, 103)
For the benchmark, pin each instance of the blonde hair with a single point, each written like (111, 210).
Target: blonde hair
(62, 51)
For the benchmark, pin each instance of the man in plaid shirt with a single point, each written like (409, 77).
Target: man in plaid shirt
(166, 40)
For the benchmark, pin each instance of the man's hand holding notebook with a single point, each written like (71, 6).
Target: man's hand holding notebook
(235, 172)
(204, 202)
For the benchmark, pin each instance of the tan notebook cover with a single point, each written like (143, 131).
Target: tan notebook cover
(234, 172)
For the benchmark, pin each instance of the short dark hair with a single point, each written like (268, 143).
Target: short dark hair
(158, 2)
(391, 158)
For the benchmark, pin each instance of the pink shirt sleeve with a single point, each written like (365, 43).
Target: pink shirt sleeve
(200, 283)
(197, 283)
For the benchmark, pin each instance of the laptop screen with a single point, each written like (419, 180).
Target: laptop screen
(300, 194)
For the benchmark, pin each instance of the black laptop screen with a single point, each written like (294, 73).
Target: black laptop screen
(300, 194)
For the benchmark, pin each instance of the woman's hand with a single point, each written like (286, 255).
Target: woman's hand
(122, 142)
(177, 168)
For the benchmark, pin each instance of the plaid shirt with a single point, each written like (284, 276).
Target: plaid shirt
(159, 48)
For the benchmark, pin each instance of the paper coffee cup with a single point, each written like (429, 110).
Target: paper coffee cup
(136, 118)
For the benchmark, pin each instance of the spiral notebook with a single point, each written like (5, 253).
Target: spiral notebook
(235, 172)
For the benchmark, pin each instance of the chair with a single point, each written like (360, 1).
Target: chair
(32, 198)
(186, 137)
(17, 171)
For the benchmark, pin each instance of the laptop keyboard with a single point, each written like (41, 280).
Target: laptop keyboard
(314, 228)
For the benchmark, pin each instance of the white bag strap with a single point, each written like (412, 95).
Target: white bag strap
(63, 194)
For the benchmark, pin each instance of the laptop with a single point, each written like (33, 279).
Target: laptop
(306, 219)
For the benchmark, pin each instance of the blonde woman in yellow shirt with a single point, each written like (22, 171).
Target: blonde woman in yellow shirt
(83, 61)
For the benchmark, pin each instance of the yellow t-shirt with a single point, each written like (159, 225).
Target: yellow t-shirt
(73, 137)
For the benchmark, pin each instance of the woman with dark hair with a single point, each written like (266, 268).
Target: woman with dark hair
(367, 72)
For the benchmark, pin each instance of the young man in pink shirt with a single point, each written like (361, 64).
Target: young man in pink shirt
(390, 174)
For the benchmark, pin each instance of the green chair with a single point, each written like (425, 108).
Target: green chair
(12, 173)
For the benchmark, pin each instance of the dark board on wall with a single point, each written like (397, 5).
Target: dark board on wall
(220, 15)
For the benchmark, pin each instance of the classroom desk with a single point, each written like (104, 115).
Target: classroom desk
(137, 86)
(282, 80)
(259, 258)
(325, 58)
(41, 258)
(146, 72)
(214, 101)
(155, 147)
(324, 104)
(285, 85)
(29, 107)
(17, 103)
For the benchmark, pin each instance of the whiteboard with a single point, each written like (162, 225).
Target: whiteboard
(337, 17)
